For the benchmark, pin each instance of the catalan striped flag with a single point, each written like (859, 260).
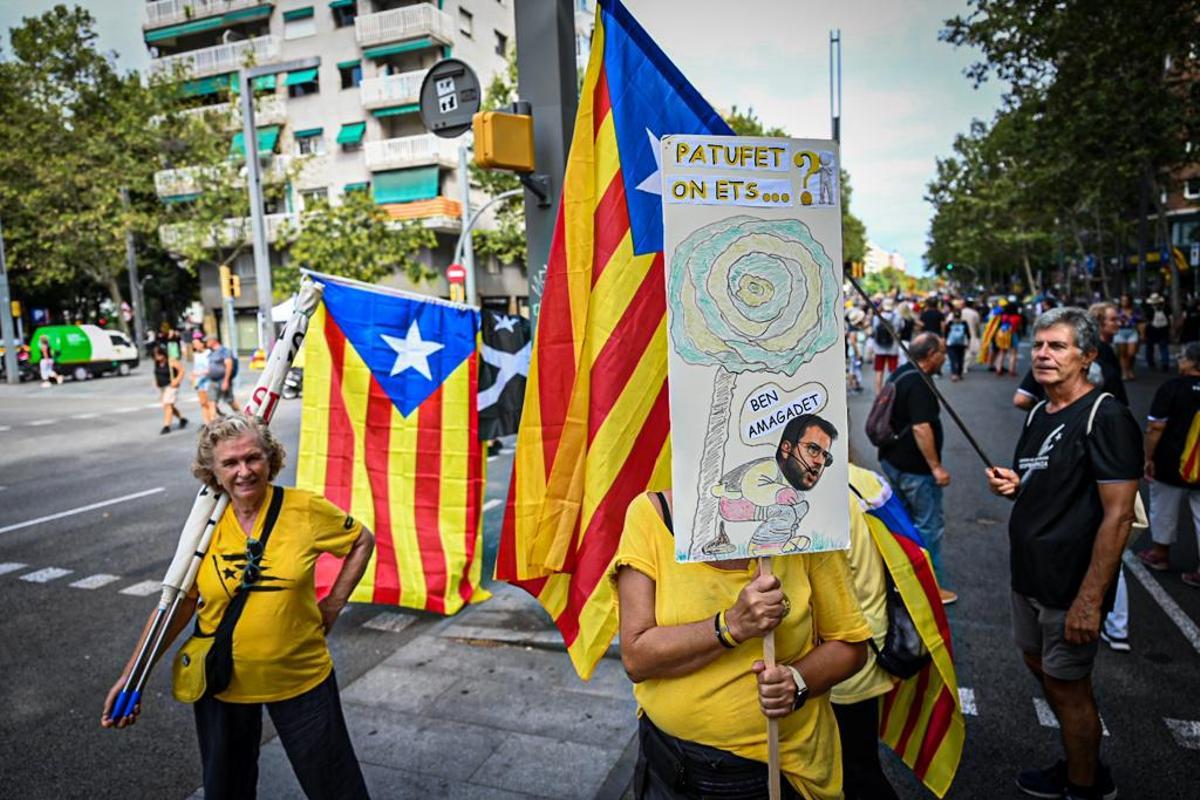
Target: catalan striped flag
(920, 718)
(594, 430)
(388, 433)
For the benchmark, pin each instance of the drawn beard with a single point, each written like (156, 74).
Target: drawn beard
(797, 475)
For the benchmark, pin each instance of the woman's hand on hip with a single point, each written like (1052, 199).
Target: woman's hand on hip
(758, 610)
(776, 689)
(330, 608)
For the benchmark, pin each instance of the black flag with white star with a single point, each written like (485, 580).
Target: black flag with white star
(502, 373)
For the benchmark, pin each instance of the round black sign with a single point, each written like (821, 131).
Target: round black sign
(449, 98)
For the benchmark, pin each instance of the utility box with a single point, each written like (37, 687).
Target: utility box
(503, 141)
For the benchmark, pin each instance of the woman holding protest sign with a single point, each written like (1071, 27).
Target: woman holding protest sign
(260, 634)
(691, 641)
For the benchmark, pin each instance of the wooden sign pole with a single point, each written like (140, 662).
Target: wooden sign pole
(773, 784)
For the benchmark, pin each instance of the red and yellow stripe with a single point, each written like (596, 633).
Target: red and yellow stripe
(595, 427)
(416, 482)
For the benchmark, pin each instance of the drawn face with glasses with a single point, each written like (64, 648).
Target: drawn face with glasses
(803, 462)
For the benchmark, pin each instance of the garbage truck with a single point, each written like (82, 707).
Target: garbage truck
(85, 351)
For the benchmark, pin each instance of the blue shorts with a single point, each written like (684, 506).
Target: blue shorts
(202, 384)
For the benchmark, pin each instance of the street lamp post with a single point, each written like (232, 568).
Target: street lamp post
(258, 224)
(6, 322)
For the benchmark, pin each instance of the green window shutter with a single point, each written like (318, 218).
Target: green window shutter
(406, 185)
(349, 64)
(262, 83)
(356, 187)
(213, 84)
(268, 137)
(341, 4)
(308, 133)
(297, 13)
(410, 108)
(392, 49)
(183, 29)
(257, 12)
(352, 133)
(302, 76)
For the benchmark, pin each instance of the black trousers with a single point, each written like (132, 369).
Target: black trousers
(862, 774)
(310, 727)
(956, 353)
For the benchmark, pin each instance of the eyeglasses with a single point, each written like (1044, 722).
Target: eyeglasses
(815, 450)
(253, 569)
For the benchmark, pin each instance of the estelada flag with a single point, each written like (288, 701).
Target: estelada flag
(921, 718)
(388, 433)
(594, 431)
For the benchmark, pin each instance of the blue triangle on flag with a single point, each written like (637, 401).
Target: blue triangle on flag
(410, 345)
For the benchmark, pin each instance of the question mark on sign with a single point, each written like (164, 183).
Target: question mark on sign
(814, 166)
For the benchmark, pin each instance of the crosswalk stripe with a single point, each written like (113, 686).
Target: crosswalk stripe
(490, 504)
(11, 566)
(1176, 614)
(967, 698)
(389, 621)
(127, 410)
(89, 415)
(1185, 731)
(4, 428)
(95, 581)
(46, 575)
(143, 589)
(39, 422)
(152, 405)
(1046, 716)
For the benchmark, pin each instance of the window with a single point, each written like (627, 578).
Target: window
(300, 24)
(303, 82)
(351, 75)
(1191, 188)
(466, 23)
(312, 197)
(310, 142)
(350, 137)
(501, 44)
(344, 12)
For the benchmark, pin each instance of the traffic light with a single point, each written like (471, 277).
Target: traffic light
(16, 308)
(235, 285)
(503, 141)
(226, 276)
(949, 268)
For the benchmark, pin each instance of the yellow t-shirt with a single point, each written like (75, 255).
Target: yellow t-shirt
(870, 587)
(279, 647)
(718, 704)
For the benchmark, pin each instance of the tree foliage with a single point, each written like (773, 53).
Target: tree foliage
(854, 232)
(355, 239)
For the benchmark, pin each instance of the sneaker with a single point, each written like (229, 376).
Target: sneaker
(1051, 782)
(182, 423)
(165, 429)
(1117, 643)
(948, 597)
(1104, 788)
(1153, 560)
(1191, 578)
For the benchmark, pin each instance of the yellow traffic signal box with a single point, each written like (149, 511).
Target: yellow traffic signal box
(226, 280)
(503, 141)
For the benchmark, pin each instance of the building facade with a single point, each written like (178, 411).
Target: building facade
(349, 124)
(878, 259)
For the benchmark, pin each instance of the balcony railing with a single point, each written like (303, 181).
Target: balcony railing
(169, 12)
(392, 90)
(410, 151)
(229, 233)
(186, 181)
(219, 58)
(399, 24)
(269, 110)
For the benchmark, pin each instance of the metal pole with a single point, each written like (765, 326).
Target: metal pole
(546, 80)
(135, 285)
(258, 225)
(470, 226)
(835, 83)
(465, 245)
(6, 321)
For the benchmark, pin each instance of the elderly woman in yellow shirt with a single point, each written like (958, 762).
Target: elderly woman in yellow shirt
(691, 644)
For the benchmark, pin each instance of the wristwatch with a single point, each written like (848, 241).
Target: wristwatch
(801, 688)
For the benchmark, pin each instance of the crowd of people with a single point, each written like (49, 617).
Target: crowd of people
(213, 370)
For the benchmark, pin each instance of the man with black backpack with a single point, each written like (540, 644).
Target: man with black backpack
(911, 452)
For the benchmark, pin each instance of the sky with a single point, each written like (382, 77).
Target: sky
(904, 95)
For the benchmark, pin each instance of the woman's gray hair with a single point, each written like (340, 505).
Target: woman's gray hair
(222, 429)
(1087, 332)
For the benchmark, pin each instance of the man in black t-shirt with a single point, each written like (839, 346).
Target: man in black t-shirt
(1075, 474)
(1173, 460)
(913, 462)
(932, 319)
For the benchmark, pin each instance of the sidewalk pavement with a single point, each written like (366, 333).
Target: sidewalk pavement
(482, 705)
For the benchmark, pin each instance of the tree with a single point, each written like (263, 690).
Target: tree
(356, 239)
(506, 241)
(854, 232)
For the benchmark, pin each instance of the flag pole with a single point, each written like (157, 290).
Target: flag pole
(773, 783)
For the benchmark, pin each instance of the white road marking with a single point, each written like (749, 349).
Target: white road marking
(82, 509)
(84, 416)
(1185, 731)
(4, 428)
(95, 581)
(11, 566)
(1164, 600)
(492, 458)
(1047, 719)
(143, 589)
(389, 621)
(39, 422)
(46, 575)
(967, 698)
(490, 504)
(152, 405)
(128, 410)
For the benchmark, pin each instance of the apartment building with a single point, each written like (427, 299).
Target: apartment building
(350, 124)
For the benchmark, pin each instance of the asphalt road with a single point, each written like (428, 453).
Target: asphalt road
(96, 445)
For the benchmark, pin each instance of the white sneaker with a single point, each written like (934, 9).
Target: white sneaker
(1120, 645)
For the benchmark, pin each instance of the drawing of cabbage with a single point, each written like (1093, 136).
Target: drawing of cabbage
(750, 294)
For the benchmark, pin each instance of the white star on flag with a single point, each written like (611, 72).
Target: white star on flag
(412, 351)
(505, 323)
(653, 182)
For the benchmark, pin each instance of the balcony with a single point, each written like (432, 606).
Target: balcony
(219, 58)
(171, 12)
(187, 182)
(269, 110)
(421, 25)
(230, 233)
(410, 151)
(392, 90)
(440, 214)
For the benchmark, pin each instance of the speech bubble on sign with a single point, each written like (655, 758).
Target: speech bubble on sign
(770, 407)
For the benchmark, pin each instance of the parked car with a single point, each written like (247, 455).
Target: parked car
(85, 351)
